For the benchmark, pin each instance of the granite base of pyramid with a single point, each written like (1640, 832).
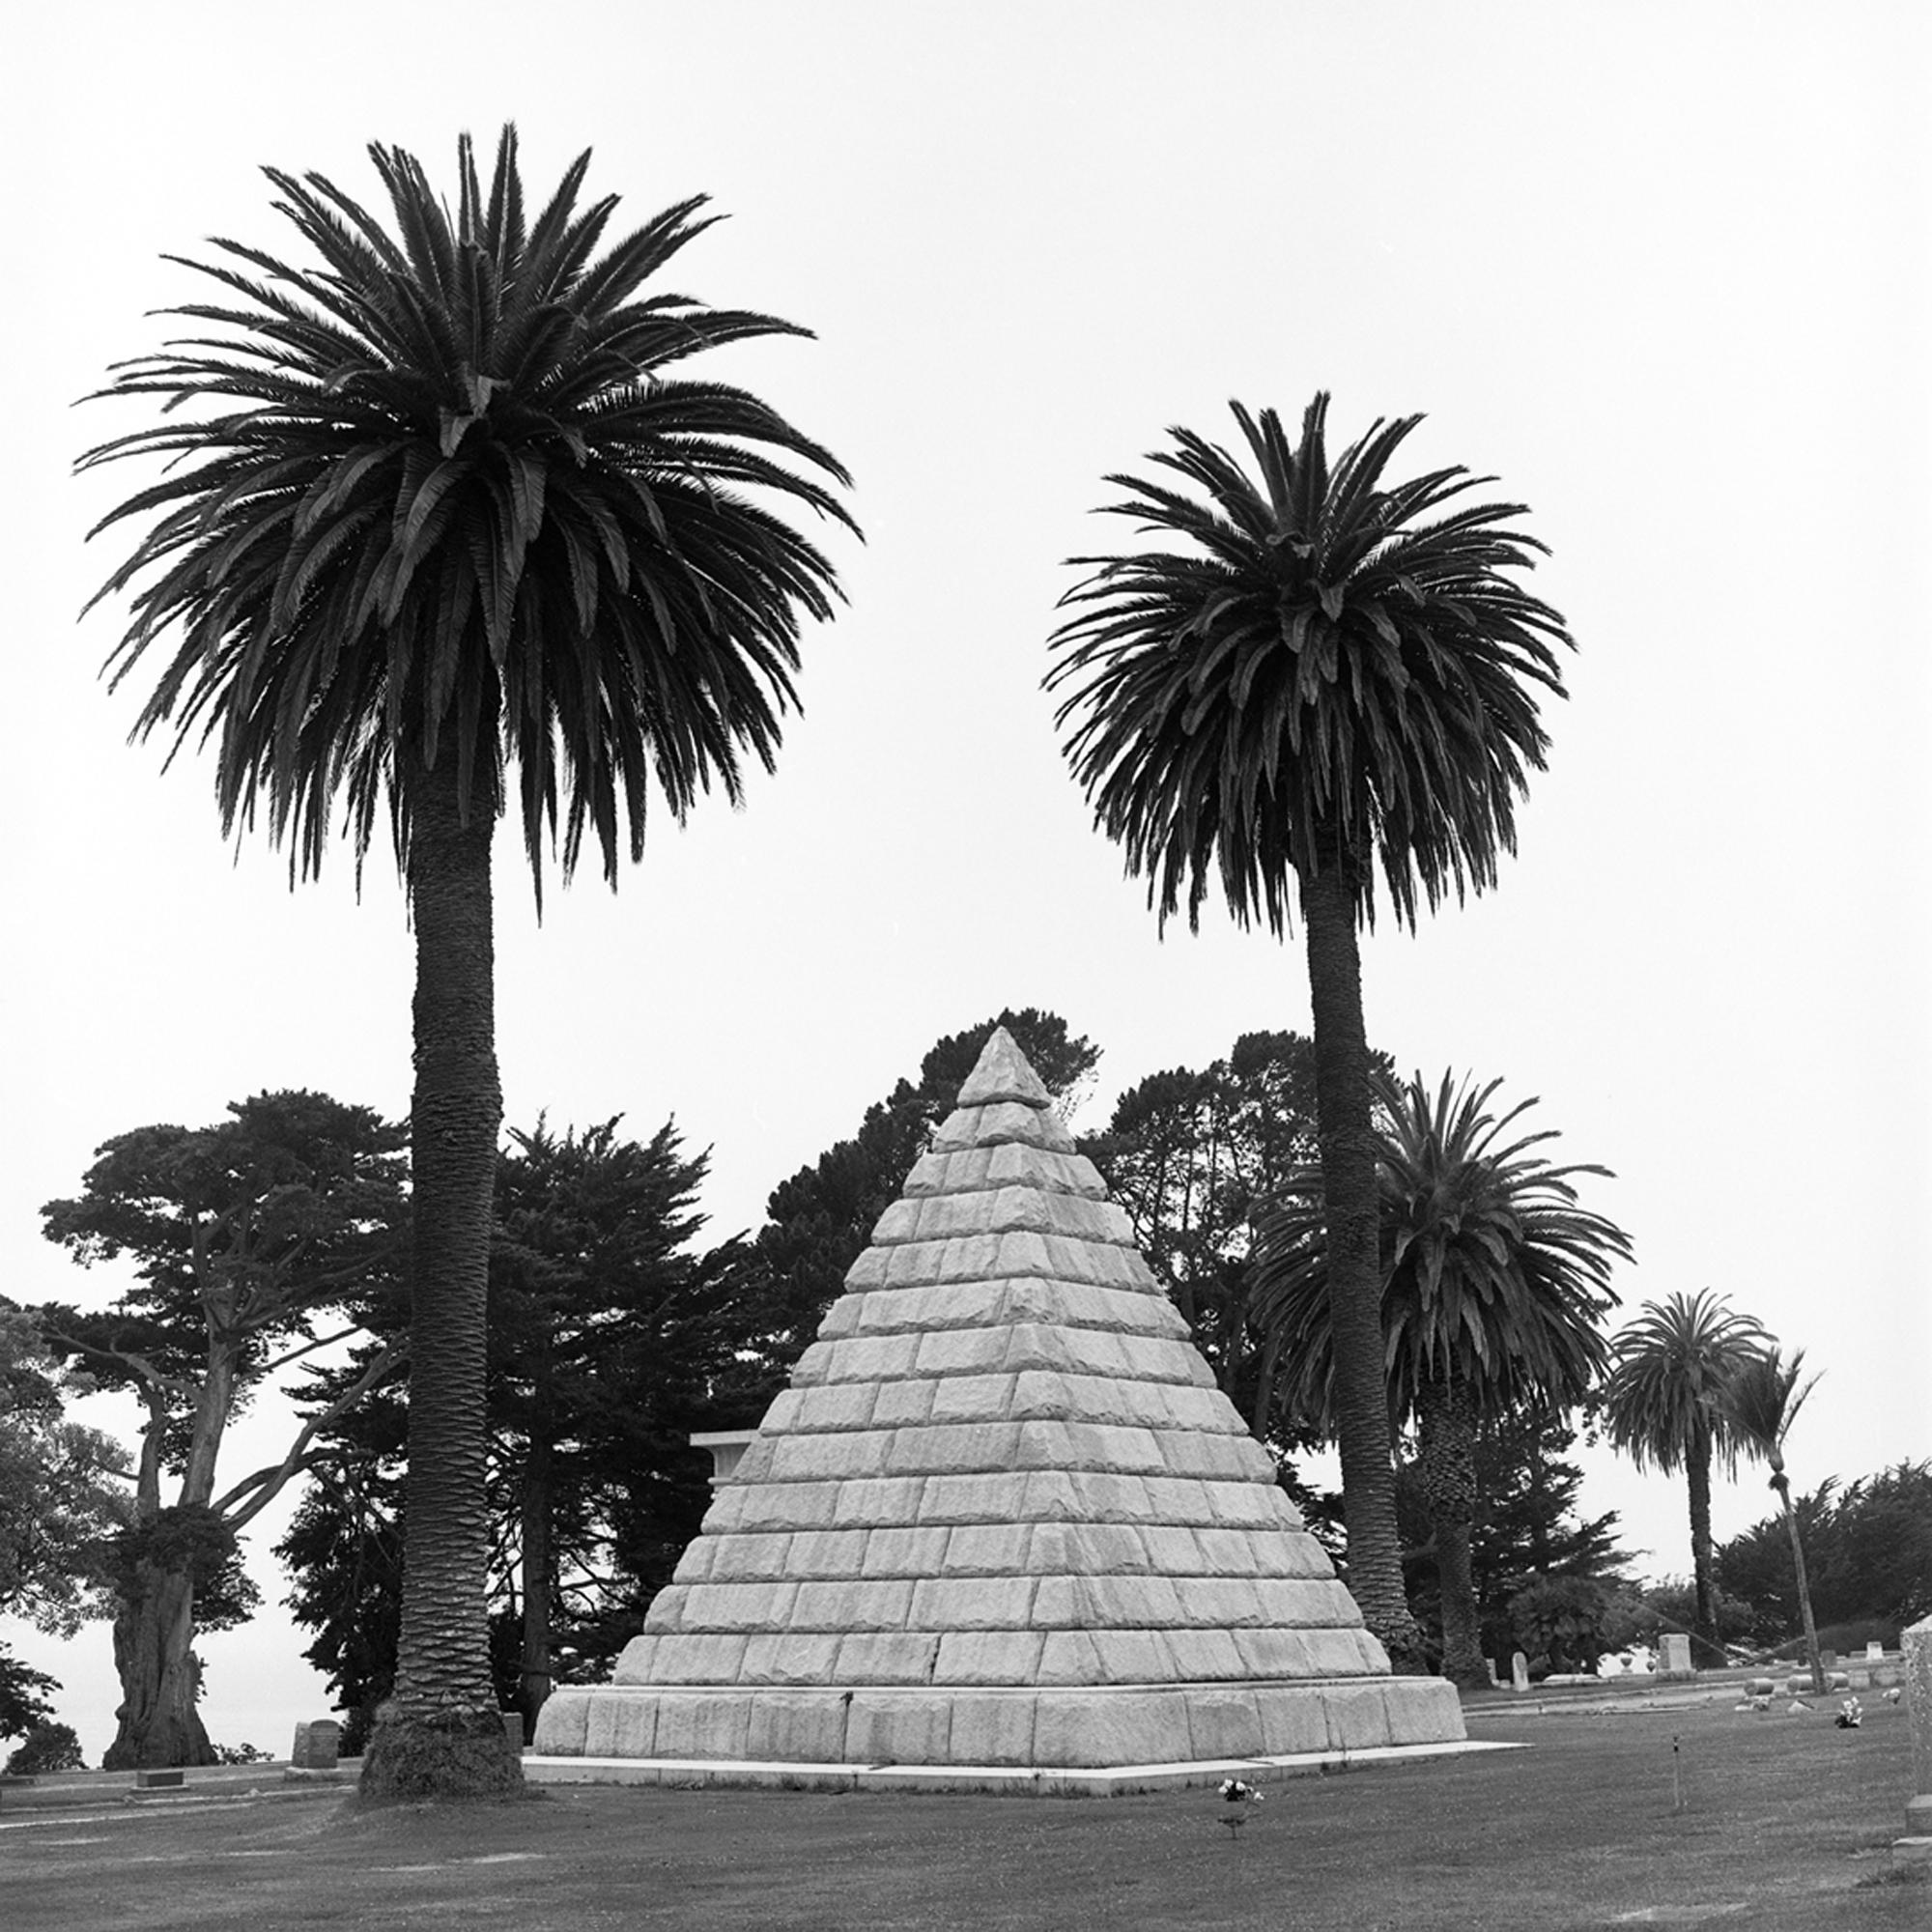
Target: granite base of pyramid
(1002, 1527)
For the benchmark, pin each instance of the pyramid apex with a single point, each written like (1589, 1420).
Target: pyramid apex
(1002, 1074)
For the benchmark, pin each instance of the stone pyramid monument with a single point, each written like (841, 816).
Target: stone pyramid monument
(1001, 1518)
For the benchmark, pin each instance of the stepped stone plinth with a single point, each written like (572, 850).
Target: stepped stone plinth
(1002, 1520)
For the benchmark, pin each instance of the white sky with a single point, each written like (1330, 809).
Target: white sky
(1661, 269)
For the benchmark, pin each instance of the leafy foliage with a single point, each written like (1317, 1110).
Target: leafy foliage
(1566, 1622)
(1333, 668)
(1493, 1274)
(446, 486)
(46, 1748)
(1869, 1546)
(23, 1696)
(611, 1340)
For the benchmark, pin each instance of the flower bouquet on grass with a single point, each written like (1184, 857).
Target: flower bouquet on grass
(1238, 1796)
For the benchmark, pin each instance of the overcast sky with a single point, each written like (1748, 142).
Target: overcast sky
(1661, 269)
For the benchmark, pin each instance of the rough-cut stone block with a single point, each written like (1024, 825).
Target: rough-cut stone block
(701, 1725)
(1421, 1710)
(1174, 1550)
(695, 1566)
(971, 1602)
(867, 1605)
(1103, 1497)
(1003, 1073)
(818, 1459)
(1274, 1652)
(562, 1723)
(1223, 1552)
(990, 1657)
(830, 1407)
(817, 1362)
(902, 1728)
(1217, 1458)
(992, 1730)
(898, 1223)
(955, 1448)
(808, 1729)
(1223, 1724)
(316, 1745)
(739, 1606)
(868, 1271)
(887, 1657)
(960, 1352)
(666, 1610)
(1295, 1603)
(996, 1496)
(872, 1358)
(1105, 1602)
(919, 1264)
(791, 1656)
(1018, 1165)
(843, 1317)
(754, 1464)
(770, 1508)
(1221, 1602)
(1209, 1655)
(699, 1658)
(986, 1549)
(1294, 1722)
(634, 1663)
(816, 1554)
(1092, 1549)
(1048, 1496)
(874, 1502)
(1333, 1653)
(747, 1556)
(903, 1405)
(1073, 1727)
(972, 1399)
(1239, 1504)
(904, 1550)
(1358, 1717)
(1105, 1657)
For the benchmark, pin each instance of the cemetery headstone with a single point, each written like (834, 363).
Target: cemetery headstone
(317, 1746)
(1518, 1672)
(1917, 1644)
(1674, 1655)
(1874, 1653)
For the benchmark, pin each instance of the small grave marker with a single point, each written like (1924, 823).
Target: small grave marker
(1674, 1655)
(317, 1746)
(1518, 1672)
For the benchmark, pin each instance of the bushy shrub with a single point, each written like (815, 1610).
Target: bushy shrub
(241, 1754)
(48, 1747)
(1572, 1621)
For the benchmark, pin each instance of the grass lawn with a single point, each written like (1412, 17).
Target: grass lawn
(1785, 1823)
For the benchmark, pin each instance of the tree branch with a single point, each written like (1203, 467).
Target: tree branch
(267, 1483)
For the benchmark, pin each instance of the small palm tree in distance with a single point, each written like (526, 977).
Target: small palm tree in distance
(1329, 673)
(445, 531)
(1495, 1279)
(1761, 1401)
(1663, 1406)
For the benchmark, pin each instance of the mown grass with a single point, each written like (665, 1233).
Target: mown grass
(1773, 1821)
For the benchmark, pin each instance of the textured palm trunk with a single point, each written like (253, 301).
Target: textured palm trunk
(536, 1574)
(1781, 1484)
(1447, 1415)
(1697, 1467)
(443, 1734)
(1346, 1134)
(157, 1722)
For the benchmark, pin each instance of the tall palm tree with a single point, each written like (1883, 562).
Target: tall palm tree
(1494, 1282)
(1761, 1401)
(1664, 1405)
(1332, 673)
(438, 530)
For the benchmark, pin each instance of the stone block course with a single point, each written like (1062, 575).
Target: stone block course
(792, 1657)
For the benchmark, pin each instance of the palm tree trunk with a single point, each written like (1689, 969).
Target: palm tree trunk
(1781, 1483)
(1447, 1465)
(442, 1735)
(1347, 1137)
(1697, 1467)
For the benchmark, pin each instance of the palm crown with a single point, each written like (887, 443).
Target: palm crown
(1335, 669)
(447, 491)
(1494, 1275)
(1675, 1363)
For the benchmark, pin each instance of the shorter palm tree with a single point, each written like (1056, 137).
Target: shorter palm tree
(1761, 1401)
(1494, 1281)
(1664, 1407)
